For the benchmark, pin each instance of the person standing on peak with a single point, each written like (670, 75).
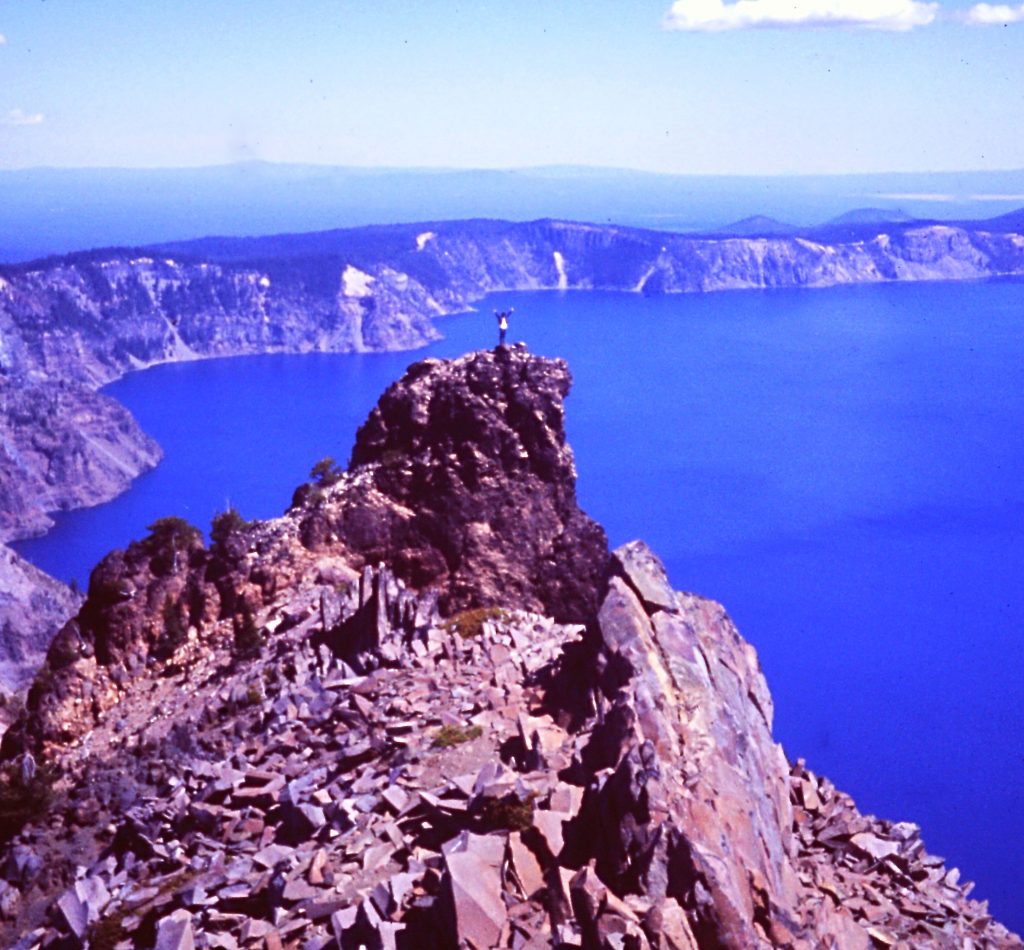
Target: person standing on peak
(502, 318)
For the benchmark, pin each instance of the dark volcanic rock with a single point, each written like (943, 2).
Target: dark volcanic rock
(471, 487)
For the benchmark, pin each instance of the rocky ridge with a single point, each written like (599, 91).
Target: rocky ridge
(68, 325)
(301, 738)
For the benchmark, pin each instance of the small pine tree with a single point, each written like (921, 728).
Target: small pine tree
(168, 537)
(173, 531)
(225, 524)
(326, 472)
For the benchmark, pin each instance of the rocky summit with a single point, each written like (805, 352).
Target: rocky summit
(428, 708)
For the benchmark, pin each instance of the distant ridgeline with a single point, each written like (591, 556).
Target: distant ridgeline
(70, 324)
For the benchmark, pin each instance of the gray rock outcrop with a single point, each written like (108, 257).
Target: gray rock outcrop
(32, 606)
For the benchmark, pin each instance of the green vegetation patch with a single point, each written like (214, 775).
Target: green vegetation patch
(23, 797)
(326, 472)
(172, 532)
(175, 632)
(509, 812)
(107, 933)
(470, 623)
(448, 736)
(228, 523)
(248, 639)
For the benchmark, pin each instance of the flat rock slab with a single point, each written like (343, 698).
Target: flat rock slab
(645, 573)
(475, 875)
(174, 932)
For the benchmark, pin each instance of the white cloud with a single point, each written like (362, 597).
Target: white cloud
(987, 14)
(716, 16)
(17, 117)
(3, 40)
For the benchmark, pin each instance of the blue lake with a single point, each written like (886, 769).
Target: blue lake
(844, 469)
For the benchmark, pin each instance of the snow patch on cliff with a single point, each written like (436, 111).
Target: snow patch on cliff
(422, 239)
(641, 283)
(356, 283)
(563, 280)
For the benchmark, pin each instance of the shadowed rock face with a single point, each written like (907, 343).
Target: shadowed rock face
(470, 487)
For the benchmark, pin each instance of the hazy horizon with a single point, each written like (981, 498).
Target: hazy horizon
(56, 211)
(560, 167)
(695, 87)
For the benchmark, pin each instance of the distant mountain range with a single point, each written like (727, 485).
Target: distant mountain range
(55, 210)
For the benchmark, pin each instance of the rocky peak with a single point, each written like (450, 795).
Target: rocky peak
(490, 413)
(461, 481)
(461, 478)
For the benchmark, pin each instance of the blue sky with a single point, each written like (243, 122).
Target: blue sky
(695, 86)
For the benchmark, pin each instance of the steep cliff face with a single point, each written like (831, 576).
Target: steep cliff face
(280, 740)
(32, 606)
(92, 317)
(63, 446)
(457, 262)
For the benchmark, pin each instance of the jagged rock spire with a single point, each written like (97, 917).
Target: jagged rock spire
(469, 485)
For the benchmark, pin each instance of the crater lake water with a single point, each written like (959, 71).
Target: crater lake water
(842, 468)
